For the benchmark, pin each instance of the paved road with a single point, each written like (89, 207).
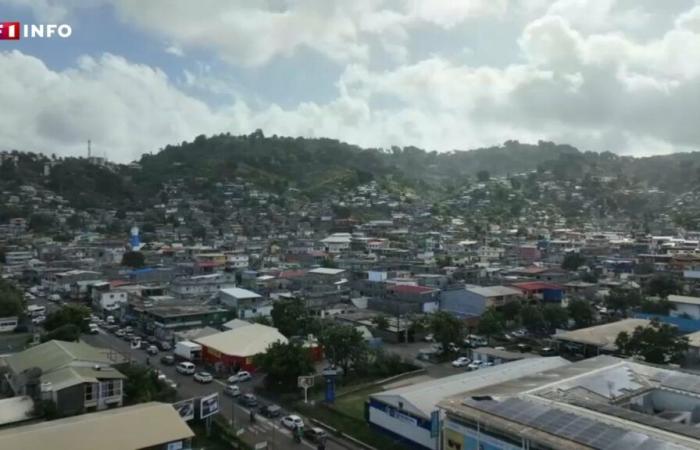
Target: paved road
(264, 430)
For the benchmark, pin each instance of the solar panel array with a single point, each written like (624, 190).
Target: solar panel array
(567, 425)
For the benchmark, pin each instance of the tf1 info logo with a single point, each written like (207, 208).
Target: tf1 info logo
(13, 31)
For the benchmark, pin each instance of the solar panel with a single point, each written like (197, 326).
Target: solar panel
(585, 431)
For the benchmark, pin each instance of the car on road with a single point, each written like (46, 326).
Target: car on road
(94, 328)
(243, 375)
(271, 411)
(248, 400)
(185, 368)
(152, 350)
(474, 365)
(292, 422)
(203, 377)
(462, 361)
(167, 360)
(232, 390)
(315, 435)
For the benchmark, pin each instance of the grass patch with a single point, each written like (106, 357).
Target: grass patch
(353, 404)
(357, 428)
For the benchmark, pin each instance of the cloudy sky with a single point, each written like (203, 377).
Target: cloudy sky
(618, 75)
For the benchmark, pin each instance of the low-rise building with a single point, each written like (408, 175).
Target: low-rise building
(233, 350)
(77, 377)
(152, 425)
(599, 403)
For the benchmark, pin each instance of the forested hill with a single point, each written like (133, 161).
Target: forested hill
(319, 166)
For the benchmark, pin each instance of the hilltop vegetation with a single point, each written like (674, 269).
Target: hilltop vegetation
(316, 167)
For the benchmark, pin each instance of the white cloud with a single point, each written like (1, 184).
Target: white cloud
(175, 51)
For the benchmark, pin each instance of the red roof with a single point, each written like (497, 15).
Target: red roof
(535, 286)
(410, 289)
(292, 274)
(117, 283)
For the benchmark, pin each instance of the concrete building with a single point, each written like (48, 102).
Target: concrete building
(247, 303)
(685, 306)
(472, 301)
(599, 403)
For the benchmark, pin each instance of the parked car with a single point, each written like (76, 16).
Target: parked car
(167, 360)
(152, 350)
(487, 364)
(120, 333)
(524, 347)
(203, 377)
(519, 333)
(292, 422)
(271, 411)
(429, 337)
(462, 361)
(548, 351)
(232, 390)
(248, 400)
(474, 365)
(315, 435)
(185, 368)
(243, 375)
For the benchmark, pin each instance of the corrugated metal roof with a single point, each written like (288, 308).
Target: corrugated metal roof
(244, 341)
(128, 428)
(422, 398)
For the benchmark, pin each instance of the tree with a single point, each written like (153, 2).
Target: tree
(511, 310)
(532, 318)
(381, 322)
(662, 285)
(658, 343)
(142, 385)
(446, 329)
(555, 316)
(581, 312)
(41, 223)
(283, 364)
(292, 318)
(661, 306)
(572, 261)
(483, 176)
(11, 300)
(76, 315)
(135, 260)
(343, 345)
(622, 300)
(491, 323)
(67, 332)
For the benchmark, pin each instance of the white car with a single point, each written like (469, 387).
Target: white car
(232, 390)
(486, 364)
(462, 361)
(203, 377)
(292, 422)
(474, 365)
(185, 368)
(243, 375)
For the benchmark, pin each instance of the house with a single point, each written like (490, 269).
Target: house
(539, 290)
(151, 425)
(401, 298)
(233, 350)
(472, 301)
(686, 307)
(77, 377)
(247, 303)
(337, 243)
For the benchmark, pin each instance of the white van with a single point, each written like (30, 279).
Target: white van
(185, 368)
